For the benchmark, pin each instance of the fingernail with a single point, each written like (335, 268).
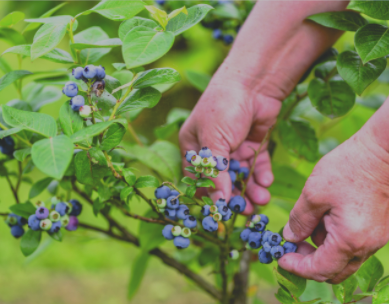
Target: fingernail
(216, 195)
(267, 179)
(288, 234)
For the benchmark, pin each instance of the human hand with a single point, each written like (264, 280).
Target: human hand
(344, 207)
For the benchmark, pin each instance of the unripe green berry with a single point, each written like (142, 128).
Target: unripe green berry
(234, 254)
(205, 162)
(45, 224)
(176, 230)
(161, 203)
(256, 218)
(39, 204)
(215, 173)
(208, 171)
(185, 232)
(217, 217)
(213, 162)
(12, 220)
(199, 169)
(65, 220)
(55, 200)
(196, 160)
(214, 209)
(54, 216)
(85, 111)
(162, 210)
(250, 225)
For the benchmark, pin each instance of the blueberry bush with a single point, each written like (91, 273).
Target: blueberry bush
(88, 164)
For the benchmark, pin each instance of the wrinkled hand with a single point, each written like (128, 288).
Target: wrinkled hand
(344, 207)
(230, 119)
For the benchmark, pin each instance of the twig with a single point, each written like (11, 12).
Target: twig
(3, 214)
(14, 192)
(20, 171)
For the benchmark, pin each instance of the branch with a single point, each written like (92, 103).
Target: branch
(14, 192)
(241, 279)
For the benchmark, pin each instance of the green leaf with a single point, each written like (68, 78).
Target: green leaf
(30, 241)
(33, 26)
(116, 10)
(35, 122)
(56, 55)
(199, 80)
(125, 192)
(191, 191)
(333, 98)
(21, 154)
(12, 36)
(5, 133)
(326, 70)
(107, 43)
(177, 11)
(382, 283)
(371, 42)
(87, 172)
(227, 10)
(183, 22)
(355, 73)
(128, 25)
(111, 84)
(363, 295)
(39, 186)
(344, 21)
(119, 66)
(156, 76)
(138, 99)
(129, 176)
(57, 236)
(299, 139)
(112, 137)
(104, 193)
(12, 76)
(97, 157)
(11, 19)
(369, 274)
(90, 131)
(344, 291)
(71, 122)
(42, 96)
(284, 297)
(159, 15)
(64, 19)
(294, 284)
(382, 295)
(207, 200)
(375, 9)
(53, 155)
(191, 170)
(47, 38)
(137, 273)
(205, 182)
(24, 210)
(143, 45)
(188, 180)
(175, 118)
(147, 181)
(150, 235)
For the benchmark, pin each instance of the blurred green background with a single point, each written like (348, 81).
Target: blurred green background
(90, 268)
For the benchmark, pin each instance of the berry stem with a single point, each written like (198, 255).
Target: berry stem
(78, 53)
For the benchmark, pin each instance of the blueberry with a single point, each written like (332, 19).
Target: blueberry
(78, 72)
(167, 232)
(161, 203)
(162, 192)
(289, 247)
(266, 246)
(205, 210)
(255, 218)
(77, 102)
(205, 152)
(209, 224)
(100, 72)
(77, 207)
(234, 165)
(259, 226)
(90, 71)
(7, 150)
(255, 240)
(70, 89)
(170, 214)
(183, 212)
(45, 224)
(189, 154)
(227, 216)
(185, 232)
(264, 219)
(34, 222)
(54, 216)
(237, 204)
(181, 242)
(172, 202)
(232, 176)
(264, 257)
(221, 202)
(72, 223)
(196, 160)
(42, 213)
(174, 193)
(160, 2)
(55, 227)
(7, 145)
(65, 220)
(266, 235)
(12, 219)
(190, 222)
(234, 254)
(176, 230)
(245, 172)
(275, 239)
(277, 252)
(21, 220)
(244, 235)
(221, 163)
(217, 34)
(17, 231)
(228, 39)
(62, 208)
(85, 111)
(223, 210)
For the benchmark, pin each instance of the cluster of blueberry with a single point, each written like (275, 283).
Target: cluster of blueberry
(93, 76)
(169, 204)
(61, 214)
(7, 145)
(214, 214)
(237, 172)
(16, 223)
(256, 236)
(206, 163)
(218, 35)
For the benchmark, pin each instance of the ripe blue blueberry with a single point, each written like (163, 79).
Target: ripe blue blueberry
(162, 192)
(7, 150)
(264, 257)
(237, 204)
(221, 202)
(174, 193)
(77, 207)
(260, 226)
(234, 165)
(42, 213)
(217, 34)
(78, 72)
(221, 163)
(62, 208)
(244, 235)
(205, 210)
(255, 240)
(275, 239)
(89, 71)
(21, 220)
(266, 235)
(183, 212)
(55, 227)
(232, 176)
(17, 231)
(289, 247)
(171, 214)
(77, 102)
(205, 152)
(100, 72)
(228, 39)
(264, 219)
(181, 242)
(189, 154)
(160, 2)
(266, 246)
(227, 216)
(245, 172)
(72, 223)
(277, 251)
(7, 145)
(190, 222)
(172, 202)
(209, 224)
(167, 232)
(70, 89)
(223, 210)
(33, 222)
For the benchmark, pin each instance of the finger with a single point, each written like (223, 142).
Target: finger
(351, 268)
(257, 194)
(249, 207)
(304, 248)
(319, 234)
(222, 188)
(263, 174)
(188, 141)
